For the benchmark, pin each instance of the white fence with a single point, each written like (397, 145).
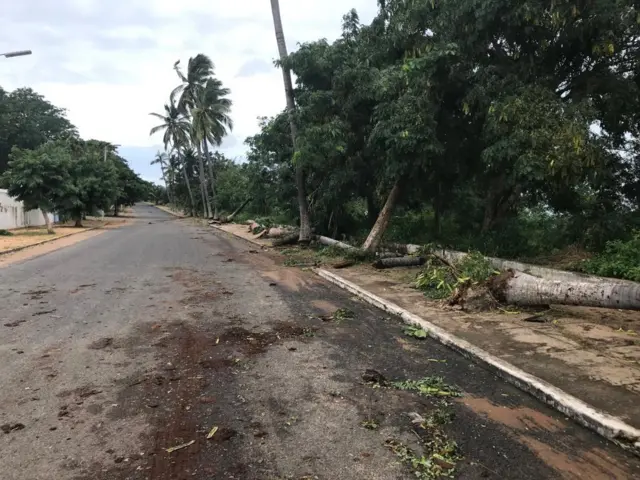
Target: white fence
(12, 214)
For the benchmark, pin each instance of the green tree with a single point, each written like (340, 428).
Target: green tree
(28, 120)
(40, 178)
(175, 128)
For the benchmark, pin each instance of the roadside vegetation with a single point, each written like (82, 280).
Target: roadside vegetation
(508, 129)
(46, 165)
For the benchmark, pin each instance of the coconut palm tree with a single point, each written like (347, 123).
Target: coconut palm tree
(203, 98)
(162, 160)
(199, 70)
(211, 121)
(176, 133)
(305, 225)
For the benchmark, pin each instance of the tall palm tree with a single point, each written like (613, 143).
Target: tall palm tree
(211, 119)
(305, 225)
(199, 70)
(162, 160)
(199, 131)
(176, 133)
(203, 97)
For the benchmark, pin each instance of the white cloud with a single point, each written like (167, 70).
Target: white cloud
(110, 66)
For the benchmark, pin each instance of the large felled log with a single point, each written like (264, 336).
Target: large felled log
(286, 240)
(519, 288)
(275, 232)
(334, 243)
(391, 262)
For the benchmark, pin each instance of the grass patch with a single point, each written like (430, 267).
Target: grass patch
(5, 233)
(429, 387)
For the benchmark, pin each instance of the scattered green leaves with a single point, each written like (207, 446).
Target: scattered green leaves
(439, 278)
(438, 461)
(429, 387)
(415, 332)
(370, 424)
(343, 314)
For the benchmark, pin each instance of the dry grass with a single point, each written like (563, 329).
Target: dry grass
(26, 237)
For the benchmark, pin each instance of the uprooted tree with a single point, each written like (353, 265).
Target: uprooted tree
(473, 283)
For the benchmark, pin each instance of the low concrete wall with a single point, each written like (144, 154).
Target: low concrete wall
(13, 215)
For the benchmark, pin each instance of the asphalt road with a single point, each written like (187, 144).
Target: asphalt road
(149, 336)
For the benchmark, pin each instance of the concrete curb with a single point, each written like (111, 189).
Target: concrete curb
(166, 210)
(17, 249)
(608, 426)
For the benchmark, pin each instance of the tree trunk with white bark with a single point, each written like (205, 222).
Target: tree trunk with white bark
(375, 236)
(47, 221)
(518, 288)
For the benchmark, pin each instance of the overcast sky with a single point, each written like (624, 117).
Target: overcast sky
(109, 65)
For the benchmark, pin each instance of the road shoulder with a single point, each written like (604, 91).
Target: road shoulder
(590, 365)
(42, 248)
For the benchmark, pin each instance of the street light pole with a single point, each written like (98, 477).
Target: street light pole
(18, 53)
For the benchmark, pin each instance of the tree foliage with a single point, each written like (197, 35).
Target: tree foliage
(509, 127)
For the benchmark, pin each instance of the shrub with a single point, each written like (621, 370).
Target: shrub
(620, 259)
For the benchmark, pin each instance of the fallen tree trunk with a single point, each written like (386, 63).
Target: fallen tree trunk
(287, 240)
(519, 288)
(334, 243)
(502, 264)
(229, 218)
(391, 262)
(276, 232)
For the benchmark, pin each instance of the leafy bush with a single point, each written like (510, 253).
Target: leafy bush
(438, 280)
(620, 259)
(5, 233)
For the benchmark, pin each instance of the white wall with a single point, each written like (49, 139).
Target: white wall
(12, 214)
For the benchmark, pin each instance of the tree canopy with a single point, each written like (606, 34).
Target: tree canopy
(45, 164)
(507, 126)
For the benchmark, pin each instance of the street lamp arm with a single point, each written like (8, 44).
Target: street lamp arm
(18, 53)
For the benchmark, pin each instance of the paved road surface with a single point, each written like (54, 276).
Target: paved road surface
(148, 336)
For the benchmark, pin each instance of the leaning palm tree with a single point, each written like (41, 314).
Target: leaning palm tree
(211, 113)
(176, 133)
(305, 224)
(200, 126)
(199, 70)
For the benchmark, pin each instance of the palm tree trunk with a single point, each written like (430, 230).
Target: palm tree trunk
(520, 288)
(186, 181)
(305, 224)
(203, 184)
(166, 184)
(238, 210)
(375, 235)
(205, 145)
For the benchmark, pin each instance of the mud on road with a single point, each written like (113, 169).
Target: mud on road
(223, 341)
